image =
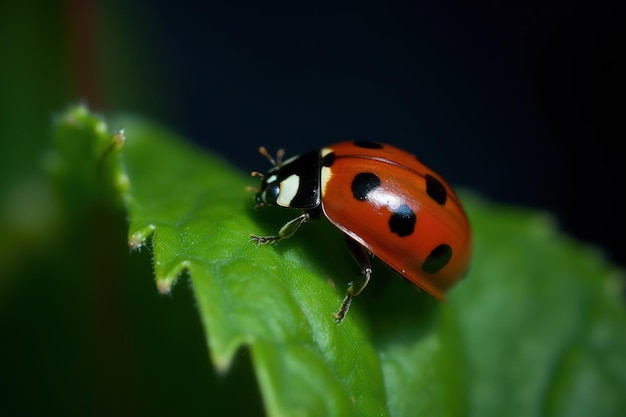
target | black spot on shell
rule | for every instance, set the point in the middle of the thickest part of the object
(402, 221)
(363, 184)
(436, 190)
(328, 160)
(367, 144)
(438, 258)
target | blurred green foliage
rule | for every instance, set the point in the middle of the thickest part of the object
(84, 332)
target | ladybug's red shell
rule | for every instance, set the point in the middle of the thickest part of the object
(400, 210)
(385, 200)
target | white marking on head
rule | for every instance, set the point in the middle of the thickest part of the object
(326, 174)
(326, 171)
(288, 189)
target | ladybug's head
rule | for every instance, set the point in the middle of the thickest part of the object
(269, 191)
(293, 183)
(267, 194)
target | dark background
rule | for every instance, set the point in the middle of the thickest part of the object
(519, 101)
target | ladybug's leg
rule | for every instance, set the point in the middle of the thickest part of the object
(355, 287)
(285, 232)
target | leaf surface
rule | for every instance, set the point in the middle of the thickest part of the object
(538, 326)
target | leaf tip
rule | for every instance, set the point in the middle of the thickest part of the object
(165, 284)
(138, 238)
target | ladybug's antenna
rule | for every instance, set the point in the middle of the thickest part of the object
(255, 174)
(266, 154)
(279, 156)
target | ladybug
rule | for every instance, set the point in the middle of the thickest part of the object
(386, 202)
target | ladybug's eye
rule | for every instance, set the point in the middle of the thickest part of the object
(271, 193)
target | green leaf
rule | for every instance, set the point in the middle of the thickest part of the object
(538, 327)
(543, 320)
(199, 215)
